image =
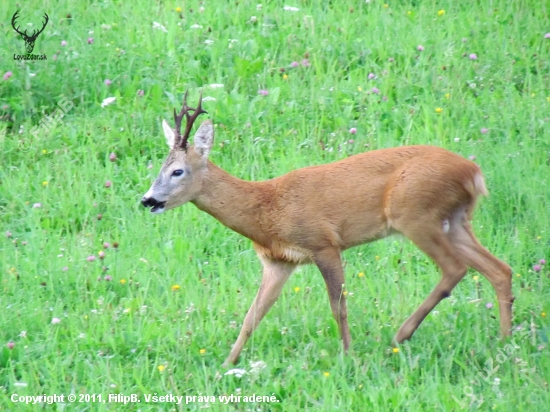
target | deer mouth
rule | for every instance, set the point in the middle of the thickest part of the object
(158, 208)
(155, 205)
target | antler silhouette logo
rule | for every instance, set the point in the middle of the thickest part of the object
(29, 39)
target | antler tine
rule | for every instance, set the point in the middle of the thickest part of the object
(190, 119)
(47, 19)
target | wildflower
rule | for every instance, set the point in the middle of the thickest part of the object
(158, 26)
(37, 206)
(395, 350)
(447, 95)
(543, 314)
(108, 184)
(371, 76)
(489, 305)
(290, 8)
(7, 75)
(202, 351)
(345, 293)
(294, 64)
(263, 92)
(23, 334)
(216, 86)
(196, 26)
(90, 40)
(101, 254)
(518, 275)
(107, 101)
(472, 157)
(326, 374)
(353, 130)
(63, 43)
(108, 278)
(360, 275)
(386, 5)
(441, 12)
(209, 41)
(375, 90)
(359, 89)
(99, 216)
(253, 19)
(90, 258)
(391, 59)
(473, 56)
(108, 82)
(420, 47)
(438, 109)
(178, 9)
(8, 234)
(542, 261)
(306, 63)
(484, 130)
(10, 345)
(175, 287)
(377, 257)
(112, 157)
(537, 268)
(115, 245)
(55, 321)
(140, 93)
(285, 76)
(239, 373)
(44, 183)
(475, 277)
(547, 36)
(106, 245)
(161, 368)
(297, 289)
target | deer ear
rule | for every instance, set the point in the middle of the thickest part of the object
(204, 138)
(169, 134)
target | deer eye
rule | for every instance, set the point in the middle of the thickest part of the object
(177, 172)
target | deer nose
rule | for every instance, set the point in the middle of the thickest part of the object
(149, 201)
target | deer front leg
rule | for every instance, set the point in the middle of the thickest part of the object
(329, 263)
(275, 275)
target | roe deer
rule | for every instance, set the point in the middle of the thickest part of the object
(311, 215)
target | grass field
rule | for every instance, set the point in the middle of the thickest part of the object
(158, 314)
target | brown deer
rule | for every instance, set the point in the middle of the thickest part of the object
(29, 39)
(311, 215)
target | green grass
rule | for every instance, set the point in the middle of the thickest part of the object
(113, 336)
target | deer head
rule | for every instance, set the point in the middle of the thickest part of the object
(179, 180)
(29, 39)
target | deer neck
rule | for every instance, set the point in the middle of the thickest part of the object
(236, 203)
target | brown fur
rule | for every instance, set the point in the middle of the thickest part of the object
(312, 214)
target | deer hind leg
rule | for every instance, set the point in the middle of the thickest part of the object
(275, 274)
(329, 263)
(436, 244)
(498, 273)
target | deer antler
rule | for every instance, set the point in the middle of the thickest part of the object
(15, 16)
(35, 34)
(182, 140)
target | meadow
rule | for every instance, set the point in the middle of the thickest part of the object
(98, 296)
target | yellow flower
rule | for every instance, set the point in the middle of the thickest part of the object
(409, 13)
(345, 293)
(44, 151)
(285, 76)
(438, 109)
(361, 274)
(326, 374)
(447, 95)
(386, 6)
(543, 314)
(395, 350)
(178, 9)
(441, 12)
(518, 275)
(533, 94)
(360, 88)
(202, 351)
(377, 257)
(122, 281)
(476, 278)
(297, 289)
(548, 99)
(175, 287)
(44, 183)
(161, 368)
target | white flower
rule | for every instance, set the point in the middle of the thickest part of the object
(253, 19)
(290, 8)
(258, 6)
(55, 321)
(108, 101)
(159, 26)
(23, 334)
(196, 26)
(208, 41)
(216, 86)
(239, 373)
(257, 367)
